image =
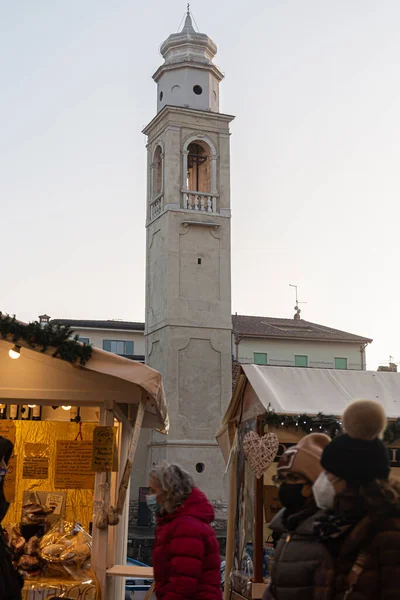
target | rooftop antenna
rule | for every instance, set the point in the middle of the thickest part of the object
(296, 308)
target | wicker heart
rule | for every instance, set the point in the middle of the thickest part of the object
(260, 451)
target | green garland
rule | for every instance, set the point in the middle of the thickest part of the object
(317, 424)
(41, 338)
(321, 423)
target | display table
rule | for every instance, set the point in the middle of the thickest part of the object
(44, 589)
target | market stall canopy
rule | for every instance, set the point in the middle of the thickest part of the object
(291, 390)
(41, 379)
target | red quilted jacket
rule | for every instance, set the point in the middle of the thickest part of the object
(186, 556)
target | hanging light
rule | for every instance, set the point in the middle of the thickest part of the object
(32, 405)
(15, 352)
(66, 407)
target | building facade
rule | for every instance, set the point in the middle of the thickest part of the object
(124, 338)
(296, 343)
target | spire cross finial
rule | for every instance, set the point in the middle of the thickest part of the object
(188, 8)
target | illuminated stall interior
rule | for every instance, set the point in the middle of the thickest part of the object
(64, 404)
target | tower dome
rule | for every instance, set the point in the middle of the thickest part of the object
(188, 77)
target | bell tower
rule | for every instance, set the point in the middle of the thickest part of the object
(188, 271)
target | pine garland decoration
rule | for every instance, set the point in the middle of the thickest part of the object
(321, 423)
(41, 338)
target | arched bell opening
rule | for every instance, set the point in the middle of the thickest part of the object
(157, 172)
(199, 167)
(199, 176)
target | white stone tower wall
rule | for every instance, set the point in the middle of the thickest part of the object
(188, 271)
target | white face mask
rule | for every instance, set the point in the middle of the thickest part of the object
(324, 492)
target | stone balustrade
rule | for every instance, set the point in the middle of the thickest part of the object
(156, 207)
(200, 201)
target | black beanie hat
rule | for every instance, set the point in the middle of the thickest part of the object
(359, 454)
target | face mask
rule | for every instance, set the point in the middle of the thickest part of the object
(324, 492)
(3, 470)
(290, 495)
(151, 501)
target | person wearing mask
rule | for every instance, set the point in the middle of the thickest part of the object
(297, 553)
(186, 555)
(362, 528)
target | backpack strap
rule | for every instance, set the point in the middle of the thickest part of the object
(355, 573)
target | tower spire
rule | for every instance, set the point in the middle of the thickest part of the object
(188, 26)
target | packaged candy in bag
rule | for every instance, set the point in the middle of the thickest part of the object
(77, 554)
(66, 550)
(50, 549)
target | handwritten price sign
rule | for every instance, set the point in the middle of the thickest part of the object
(103, 448)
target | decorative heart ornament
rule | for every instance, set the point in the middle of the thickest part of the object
(260, 451)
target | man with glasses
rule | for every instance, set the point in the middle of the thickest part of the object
(298, 553)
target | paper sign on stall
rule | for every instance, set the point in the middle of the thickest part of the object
(10, 480)
(55, 501)
(36, 461)
(7, 430)
(104, 448)
(73, 466)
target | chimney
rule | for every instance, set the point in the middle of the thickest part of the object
(44, 320)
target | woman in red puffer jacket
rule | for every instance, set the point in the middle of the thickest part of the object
(186, 556)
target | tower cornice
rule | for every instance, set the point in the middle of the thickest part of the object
(178, 112)
(192, 65)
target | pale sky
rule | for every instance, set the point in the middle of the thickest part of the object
(315, 149)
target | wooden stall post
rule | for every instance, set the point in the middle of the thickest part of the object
(100, 537)
(258, 518)
(125, 479)
(230, 534)
(117, 536)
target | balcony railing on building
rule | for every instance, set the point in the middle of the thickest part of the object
(200, 201)
(156, 206)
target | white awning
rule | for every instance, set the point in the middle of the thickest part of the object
(294, 390)
(105, 378)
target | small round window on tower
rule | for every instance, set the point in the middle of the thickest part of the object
(161, 95)
(200, 467)
(198, 90)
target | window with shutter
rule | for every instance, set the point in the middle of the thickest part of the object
(300, 360)
(260, 358)
(341, 363)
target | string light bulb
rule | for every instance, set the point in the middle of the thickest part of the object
(66, 407)
(32, 405)
(15, 352)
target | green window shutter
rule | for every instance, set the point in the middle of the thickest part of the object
(107, 345)
(129, 348)
(300, 361)
(341, 363)
(260, 358)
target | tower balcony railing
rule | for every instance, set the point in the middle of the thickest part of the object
(156, 206)
(200, 201)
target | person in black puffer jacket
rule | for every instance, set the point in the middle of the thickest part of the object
(298, 553)
(11, 582)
